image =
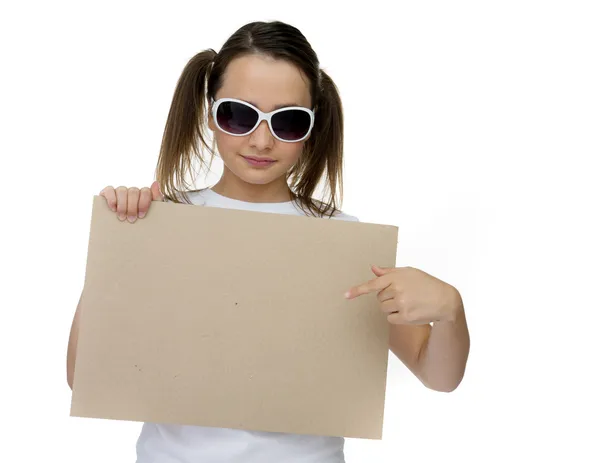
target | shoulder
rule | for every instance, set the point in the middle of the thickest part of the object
(326, 211)
(343, 216)
(195, 197)
(198, 197)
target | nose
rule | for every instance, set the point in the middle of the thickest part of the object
(262, 138)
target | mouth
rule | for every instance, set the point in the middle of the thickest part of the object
(258, 161)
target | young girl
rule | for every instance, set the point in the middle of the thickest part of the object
(276, 118)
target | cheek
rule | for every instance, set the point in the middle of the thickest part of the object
(290, 152)
(227, 145)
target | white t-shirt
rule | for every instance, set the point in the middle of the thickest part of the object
(167, 443)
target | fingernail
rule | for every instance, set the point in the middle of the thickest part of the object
(347, 294)
(121, 217)
(141, 215)
(131, 218)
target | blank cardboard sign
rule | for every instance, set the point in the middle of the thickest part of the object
(233, 319)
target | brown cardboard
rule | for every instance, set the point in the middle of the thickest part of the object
(225, 318)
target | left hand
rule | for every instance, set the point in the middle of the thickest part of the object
(410, 296)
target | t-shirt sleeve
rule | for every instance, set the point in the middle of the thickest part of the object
(346, 217)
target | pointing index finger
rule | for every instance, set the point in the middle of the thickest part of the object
(376, 284)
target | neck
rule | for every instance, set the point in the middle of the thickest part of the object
(233, 187)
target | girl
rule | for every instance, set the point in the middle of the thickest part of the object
(276, 118)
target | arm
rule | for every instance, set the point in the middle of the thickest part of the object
(127, 202)
(72, 349)
(436, 354)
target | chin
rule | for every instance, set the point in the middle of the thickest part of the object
(257, 178)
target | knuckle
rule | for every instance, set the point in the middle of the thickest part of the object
(399, 318)
(394, 318)
(409, 315)
(399, 309)
(145, 194)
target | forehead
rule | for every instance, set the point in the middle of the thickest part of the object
(265, 82)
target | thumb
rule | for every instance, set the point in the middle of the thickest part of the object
(379, 271)
(156, 193)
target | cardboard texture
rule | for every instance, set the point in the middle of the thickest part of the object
(226, 318)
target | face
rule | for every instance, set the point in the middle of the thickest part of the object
(268, 84)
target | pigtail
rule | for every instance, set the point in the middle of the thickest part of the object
(331, 143)
(184, 136)
(323, 153)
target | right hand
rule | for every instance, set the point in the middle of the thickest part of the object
(131, 203)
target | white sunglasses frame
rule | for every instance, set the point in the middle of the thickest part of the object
(262, 116)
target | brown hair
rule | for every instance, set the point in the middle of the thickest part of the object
(185, 138)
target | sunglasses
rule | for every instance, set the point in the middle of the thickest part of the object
(238, 118)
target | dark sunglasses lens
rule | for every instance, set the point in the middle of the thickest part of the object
(236, 118)
(291, 124)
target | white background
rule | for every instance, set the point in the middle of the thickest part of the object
(474, 126)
